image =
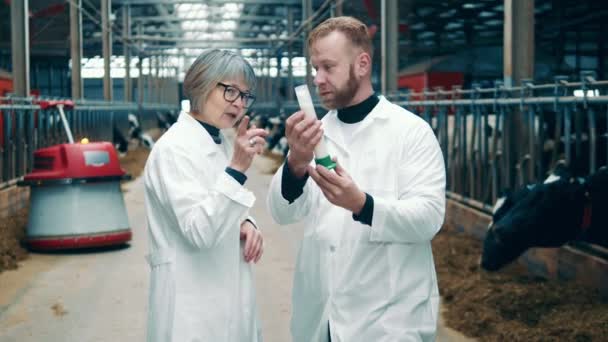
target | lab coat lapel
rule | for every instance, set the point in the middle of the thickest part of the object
(333, 133)
(206, 143)
(379, 112)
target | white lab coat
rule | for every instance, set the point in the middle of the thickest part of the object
(373, 283)
(201, 288)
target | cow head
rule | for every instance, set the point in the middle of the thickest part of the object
(546, 215)
(597, 187)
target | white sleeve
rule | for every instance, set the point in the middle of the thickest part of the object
(253, 222)
(280, 209)
(204, 215)
(418, 213)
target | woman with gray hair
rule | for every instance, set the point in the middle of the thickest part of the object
(202, 241)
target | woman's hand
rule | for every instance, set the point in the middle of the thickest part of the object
(248, 143)
(254, 243)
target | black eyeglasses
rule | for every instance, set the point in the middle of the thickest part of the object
(232, 93)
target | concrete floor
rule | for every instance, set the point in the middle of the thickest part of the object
(102, 296)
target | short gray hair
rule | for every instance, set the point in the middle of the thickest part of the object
(211, 67)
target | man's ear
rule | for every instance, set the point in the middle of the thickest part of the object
(364, 64)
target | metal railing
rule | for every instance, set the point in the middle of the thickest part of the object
(504, 137)
(26, 127)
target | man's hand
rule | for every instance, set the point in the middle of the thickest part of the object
(254, 243)
(338, 187)
(303, 133)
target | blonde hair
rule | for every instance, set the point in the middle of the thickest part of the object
(211, 67)
(352, 28)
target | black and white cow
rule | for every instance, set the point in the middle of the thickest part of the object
(120, 142)
(546, 215)
(165, 119)
(136, 132)
(596, 215)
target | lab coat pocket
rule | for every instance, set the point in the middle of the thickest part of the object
(161, 296)
(412, 319)
(376, 175)
(376, 169)
(200, 317)
(160, 257)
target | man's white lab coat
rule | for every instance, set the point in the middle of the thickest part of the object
(201, 288)
(373, 283)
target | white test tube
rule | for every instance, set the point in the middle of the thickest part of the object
(305, 102)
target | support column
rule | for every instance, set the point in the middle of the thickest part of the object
(126, 43)
(518, 65)
(601, 48)
(176, 88)
(336, 8)
(518, 41)
(76, 48)
(306, 13)
(140, 77)
(106, 37)
(269, 81)
(277, 84)
(289, 90)
(165, 77)
(266, 96)
(149, 91)
(260, 64)
(389, 45)
(20, 48)
(161, 79)
(157, 65)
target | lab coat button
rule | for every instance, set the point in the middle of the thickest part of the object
(332, 248)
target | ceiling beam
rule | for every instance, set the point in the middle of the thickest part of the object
(217, 18)
(203, 45)
(208, 30)
(198, 40)
(212, 2)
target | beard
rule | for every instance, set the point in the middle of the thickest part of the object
(342, 97)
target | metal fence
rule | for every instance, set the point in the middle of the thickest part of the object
(25, 127)
(501, 138)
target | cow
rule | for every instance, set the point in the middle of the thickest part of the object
(547, 214)
(165, 119)
(595, 221)
(276, 140)
(120, 142)
(135, 132)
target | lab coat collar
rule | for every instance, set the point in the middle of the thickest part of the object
(332, 123)
(207, 145)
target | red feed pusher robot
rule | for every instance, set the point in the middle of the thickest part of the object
(75, 196)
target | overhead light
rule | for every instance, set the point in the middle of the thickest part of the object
(418, 26)
(453, 25)
(448, 14)
(590, 93)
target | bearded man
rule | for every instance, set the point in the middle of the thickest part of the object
(365, 269)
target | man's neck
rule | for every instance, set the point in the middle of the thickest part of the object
(358, 112)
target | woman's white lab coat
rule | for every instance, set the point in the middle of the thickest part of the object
(373, 283)
(201, 288)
